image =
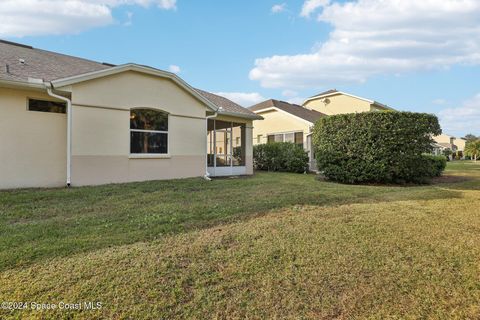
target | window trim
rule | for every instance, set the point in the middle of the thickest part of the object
(288, 132)
(150, 155)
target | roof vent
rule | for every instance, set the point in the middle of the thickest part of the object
(22, 61)
(7, 68)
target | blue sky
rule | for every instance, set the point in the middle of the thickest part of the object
(412, 55)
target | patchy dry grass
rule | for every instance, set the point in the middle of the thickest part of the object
(287, 247)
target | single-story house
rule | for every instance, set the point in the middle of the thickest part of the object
(70, 121)
(286, 122)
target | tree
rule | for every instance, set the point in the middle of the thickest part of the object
(472, 149)
(471, 137)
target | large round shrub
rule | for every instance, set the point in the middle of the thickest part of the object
(280, 156)
(381, 147)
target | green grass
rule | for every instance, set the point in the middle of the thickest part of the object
(274, 245)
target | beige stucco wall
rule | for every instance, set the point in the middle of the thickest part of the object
(339, 104)
(443, 138)
(32, 144)
(278, 122)
(136, 90)
(460, 143)
(101, 130)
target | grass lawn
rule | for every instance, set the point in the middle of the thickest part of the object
(271, 246)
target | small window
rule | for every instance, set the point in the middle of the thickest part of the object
(47, 106)
(259, 138)
(293, 137)
(148, 131)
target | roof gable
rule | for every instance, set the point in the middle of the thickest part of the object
(334, 92)
(295, 110)
(59, 83)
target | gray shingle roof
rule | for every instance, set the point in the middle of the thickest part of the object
(26, 62)
(325, 92)
(296, 110)
(227, 105)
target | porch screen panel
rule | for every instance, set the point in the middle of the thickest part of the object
(238, 139)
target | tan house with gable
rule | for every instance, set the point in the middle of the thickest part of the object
(286, 122)
(70, 121)
(446, 142)
(336, 102)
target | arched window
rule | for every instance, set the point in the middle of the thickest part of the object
(148, 131)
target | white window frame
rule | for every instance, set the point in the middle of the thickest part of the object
(285, 133)
(151, 155)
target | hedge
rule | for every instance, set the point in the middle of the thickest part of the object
(378, 147)
(436, 165)
(280, 156)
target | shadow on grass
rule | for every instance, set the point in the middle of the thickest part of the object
(43, 224)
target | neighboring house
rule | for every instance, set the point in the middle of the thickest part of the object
(446, 141)
(285, 122)
(336, 102)
(449, 142)
(67, 120)
(440, 148)
(460, 144)
(289, 122)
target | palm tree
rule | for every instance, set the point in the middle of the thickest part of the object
(472, 149)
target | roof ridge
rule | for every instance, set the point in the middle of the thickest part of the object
(75, 57)
(21, 45)
(16, 44)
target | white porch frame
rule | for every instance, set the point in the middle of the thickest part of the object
(225, 171)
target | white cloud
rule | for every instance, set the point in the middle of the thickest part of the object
(279, 8)
(462, 120)
(52, 17)
(372, 37)
(174, 68)
(310, 6)
(243, 98)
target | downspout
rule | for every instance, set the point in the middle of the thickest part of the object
(207, 175)
(69, 131)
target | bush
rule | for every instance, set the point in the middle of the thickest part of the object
(280, 156)
(430, 166)
(379, 147)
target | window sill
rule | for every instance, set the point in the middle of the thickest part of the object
(149, 156)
